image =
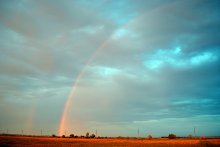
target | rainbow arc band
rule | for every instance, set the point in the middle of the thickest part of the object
(71, 94)
(63, 119)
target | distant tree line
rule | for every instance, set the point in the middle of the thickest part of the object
(87, 135)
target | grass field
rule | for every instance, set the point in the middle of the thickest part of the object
(23, 141)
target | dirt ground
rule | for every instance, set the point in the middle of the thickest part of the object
(24, 141)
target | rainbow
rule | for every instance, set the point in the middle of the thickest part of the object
(63, 119)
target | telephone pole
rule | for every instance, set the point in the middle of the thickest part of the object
(195, 131)
(138, 132)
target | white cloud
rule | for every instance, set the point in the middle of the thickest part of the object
(105, 71)
(124, 32)
(153, 64)
(177, 59)
(205, 57)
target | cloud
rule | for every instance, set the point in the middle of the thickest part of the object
(158, 63)
(177, 59)
(205, 57)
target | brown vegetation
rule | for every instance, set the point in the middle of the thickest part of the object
(51, 141)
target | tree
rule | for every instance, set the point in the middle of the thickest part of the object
(92, 136)
(63, 136)
(87, 135)
(53, 135)
(172, 136)
(71, 135)
(149, 137)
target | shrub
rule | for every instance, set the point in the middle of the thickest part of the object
(190, 136)
(149, 137)
(119, 137)
(63, 136)
(172, 136)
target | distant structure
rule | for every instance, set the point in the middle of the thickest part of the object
(195, 131)
(138, 132)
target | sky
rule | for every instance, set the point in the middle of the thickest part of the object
(114, 66)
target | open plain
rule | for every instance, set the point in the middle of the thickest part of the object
(24, 141)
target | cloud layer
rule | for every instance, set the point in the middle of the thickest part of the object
(160, 65)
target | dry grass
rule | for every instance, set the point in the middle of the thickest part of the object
(23, 141)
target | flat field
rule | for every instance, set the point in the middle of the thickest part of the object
(24, 141)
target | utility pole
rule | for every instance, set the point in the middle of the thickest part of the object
(41, 132)
(96, 133)
(138, 132)
(195, 131)
(21, 132)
